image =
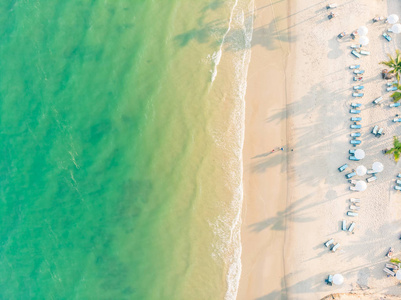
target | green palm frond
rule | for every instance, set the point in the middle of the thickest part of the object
(396, 96)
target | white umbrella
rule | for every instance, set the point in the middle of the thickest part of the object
(363, 40)
(392, 19)
(361, 170)
(338, 279)
(363, 30)
(360, 186)
(396, 28)
(359, 154)
(398, 274)
(377, 166)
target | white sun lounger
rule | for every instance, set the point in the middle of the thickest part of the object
(356, 54)
(352, 214)
(388, 271)
(355, 200)
(378, 100)
(374, 130)
(371, 171)
(363, 52)
(351, 227)
(370, 179)
(397, 187)
(335, 247)
(329, 242)
(354, 207)
(395, 104)
(344, 225)
(398, 181)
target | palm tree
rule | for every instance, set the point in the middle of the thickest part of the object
(394, 63)
(396, 149)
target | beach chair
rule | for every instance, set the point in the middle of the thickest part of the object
(358, 87)
(352, 181)
(354, 111)
(370, 171)
(389, 272)
(354, 66)
(374, 130)
(352, 214)
(344, 225)
(399, 175)
(370, 179)
(355, 134)
(354, 200)
(343, 167)
(355, 47)
(359, 71)
(352, 151)
(357, 94)
(335, 247)
(392, 83)
(391, 88)
(355, 142)
(398, 181)
(329, 280)
(356, 54)
(354, 207)
(351, 227)
(363, 52)
(397, 120)
(350, 175)
(356, 119)
(380, 132)
(355, 126)
(395, 104)
(397, 187)
(356, 105)
(332, 5)
(377, 100)
(353, 158)
(357, 78)
(387, 37)
(392, 267)
(329, 242)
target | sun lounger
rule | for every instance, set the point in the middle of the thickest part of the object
(354, 66)
(356, 119)
(355, 200)
(354, 207)
(343, 167)
(392, 83)
(395, 104)
(372, 178)
(356, 105)
(352, 214)
(399, 175)
(389, 272)
(397, 187)
(352, 181)
(344, 225)
(352, 151)
(397, 120)
(356, 54)
(357, 78)
(387, 37)
(359, 71)
(358, 87)
(355, 126)
(355, 47)
(329, 280)
(353, 158)
(354, 111)
(392, 267)
(355, 142)
(363, 52)
(377, 100)
(335, 247)
(332, 5)
(351, 227)
(398, 181)
(350, 175)
(355, 134)
(380, 132)
(357, 94)
(329, 242)
(374, 130)
(391, 89)
(370, 171)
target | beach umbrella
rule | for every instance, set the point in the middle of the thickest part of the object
(359, 154)
(363, 30)
(377, 166)
(361, 170)
(398, 274)
(360, 186)
(392, 19)
(338, 279)
(396, 28)
(363, 40)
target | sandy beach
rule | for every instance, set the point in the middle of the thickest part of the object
(298, 97)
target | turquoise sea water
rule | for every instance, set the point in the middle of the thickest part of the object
(121, 133)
